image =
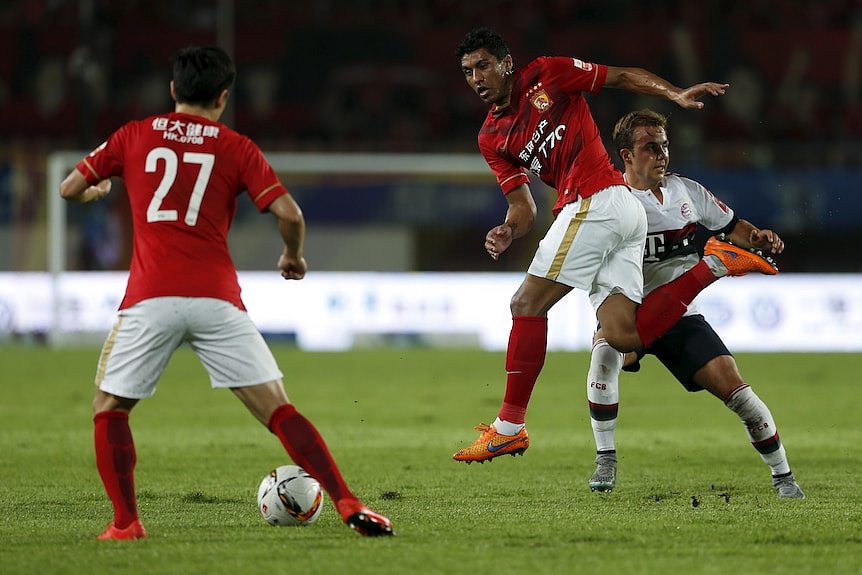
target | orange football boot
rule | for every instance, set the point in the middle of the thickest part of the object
(739, 261)
(135, 530)
(492, 444)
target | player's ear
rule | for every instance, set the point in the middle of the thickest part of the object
(221, 100)
(508, 64)
(173, 92)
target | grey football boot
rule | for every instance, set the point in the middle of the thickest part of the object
(605, 476)
(787, 488)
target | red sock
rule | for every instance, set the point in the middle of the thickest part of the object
(665, 305)
(308, 450)
(115, 460)
(525, 357)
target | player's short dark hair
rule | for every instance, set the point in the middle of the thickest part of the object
(479, 38)
(200, 73)
(624, 130)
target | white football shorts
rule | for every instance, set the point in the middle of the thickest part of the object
(596, 244)
(146, 335)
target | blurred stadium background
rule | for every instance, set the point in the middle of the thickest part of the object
(783, 147)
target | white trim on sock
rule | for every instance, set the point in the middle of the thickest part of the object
(504, 427)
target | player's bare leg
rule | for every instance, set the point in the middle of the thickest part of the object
(262, 400)
(617, 318)
(268, 402)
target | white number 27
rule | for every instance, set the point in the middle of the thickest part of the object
(205, 161)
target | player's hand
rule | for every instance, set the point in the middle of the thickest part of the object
(97, 192)
(766, 240)
(689, 98)
(292, 268)
(498, 240)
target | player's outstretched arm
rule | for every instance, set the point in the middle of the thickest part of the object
(747, 235)
(642, 81)
(291, 226)
(519, 220)
(76, 189)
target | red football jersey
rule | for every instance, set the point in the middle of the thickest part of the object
(548, 129)
(183, 174)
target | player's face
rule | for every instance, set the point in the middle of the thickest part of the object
(651, 155)
(487, 76)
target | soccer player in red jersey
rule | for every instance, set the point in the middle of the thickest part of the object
(183, 172)
(691, 350)
(539, 121)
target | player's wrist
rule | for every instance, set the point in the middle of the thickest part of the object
(90, 194)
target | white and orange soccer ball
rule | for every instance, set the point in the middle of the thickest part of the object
(289, 496)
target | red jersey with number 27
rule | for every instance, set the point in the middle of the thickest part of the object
(183, 174)
(548, 129)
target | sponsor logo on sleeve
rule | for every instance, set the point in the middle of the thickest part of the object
(585, 66)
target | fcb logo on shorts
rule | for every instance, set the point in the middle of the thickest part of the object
(541, 101)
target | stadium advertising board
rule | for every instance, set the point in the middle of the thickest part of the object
(337, 311)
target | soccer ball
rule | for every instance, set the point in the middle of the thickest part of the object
(289, 496)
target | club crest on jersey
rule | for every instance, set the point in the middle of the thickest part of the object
(541, 101)
(685, 211)
(539, 97)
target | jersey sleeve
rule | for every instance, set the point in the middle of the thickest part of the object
(574, 75)
(258, 177)
(508, 175)
(106, 160)
(714, 214)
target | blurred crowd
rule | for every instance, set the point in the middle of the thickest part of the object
(380, 75)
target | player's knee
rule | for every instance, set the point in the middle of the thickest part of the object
(720, 377)
(520, 304)
(598, 336)
(620, 338)
(617, 318)
(108, 402)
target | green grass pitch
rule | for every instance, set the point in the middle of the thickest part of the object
(392, 419)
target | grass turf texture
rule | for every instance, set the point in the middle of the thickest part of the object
(692, 495)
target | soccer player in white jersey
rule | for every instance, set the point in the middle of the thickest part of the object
(691, 350)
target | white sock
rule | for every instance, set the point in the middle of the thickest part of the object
(760, 427)
(603, 393)
(504, 427)
(715, 265)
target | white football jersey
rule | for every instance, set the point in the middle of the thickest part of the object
(670, 251)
